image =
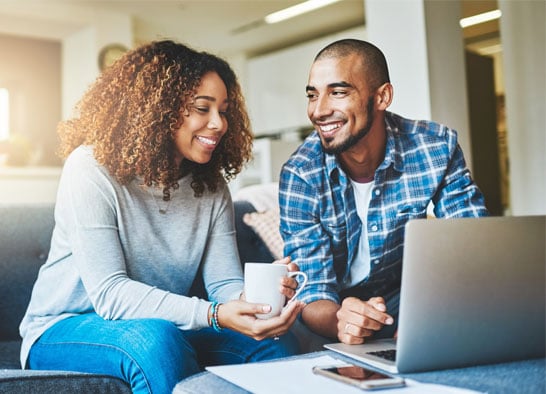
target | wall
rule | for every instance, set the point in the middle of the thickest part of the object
(81, 50)
(522, 37)
(79, 65)
(33, 77)
(403, 41)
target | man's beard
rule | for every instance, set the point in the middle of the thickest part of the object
(352, 140)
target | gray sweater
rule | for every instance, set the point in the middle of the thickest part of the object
(114, 253)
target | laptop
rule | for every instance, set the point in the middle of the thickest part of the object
(472, 292)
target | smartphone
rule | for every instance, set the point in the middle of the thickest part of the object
(363, 378)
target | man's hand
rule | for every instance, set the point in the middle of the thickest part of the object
(288, 284)
(358, 319)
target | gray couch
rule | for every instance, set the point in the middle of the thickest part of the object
(25, 232)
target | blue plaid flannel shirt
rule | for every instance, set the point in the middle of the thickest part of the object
(319, 223)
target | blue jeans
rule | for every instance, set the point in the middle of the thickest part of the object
(151, 355)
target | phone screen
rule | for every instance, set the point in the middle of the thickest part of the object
(361, 377)
(357, 373)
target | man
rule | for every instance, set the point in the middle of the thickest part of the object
(348, 191)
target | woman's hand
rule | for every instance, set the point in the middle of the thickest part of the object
(241, 316)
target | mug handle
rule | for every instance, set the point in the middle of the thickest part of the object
(300, 285)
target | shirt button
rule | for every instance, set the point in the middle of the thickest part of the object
(374, 228)
(377, 192)
(376, 262)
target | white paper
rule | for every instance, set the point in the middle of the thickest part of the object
(296, 376)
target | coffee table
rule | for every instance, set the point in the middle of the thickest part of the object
(519, 377)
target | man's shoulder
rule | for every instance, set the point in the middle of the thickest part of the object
(412, 143)
(418, 136)
(417, 128)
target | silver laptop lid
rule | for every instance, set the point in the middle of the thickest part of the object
(473, 292)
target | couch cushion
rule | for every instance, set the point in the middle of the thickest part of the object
(25, 236)
(262, 196)
(266, 225)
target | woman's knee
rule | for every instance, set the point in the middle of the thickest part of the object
(158, 354)
(159, 342)
(156, 336)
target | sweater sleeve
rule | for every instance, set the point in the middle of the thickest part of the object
(222, 271)
(86, 202)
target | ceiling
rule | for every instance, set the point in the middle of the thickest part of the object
(221, 26)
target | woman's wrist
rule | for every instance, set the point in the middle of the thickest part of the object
(213, 316)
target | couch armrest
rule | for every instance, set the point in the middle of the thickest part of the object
(40, 382)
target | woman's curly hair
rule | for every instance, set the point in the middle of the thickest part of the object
(132, 111)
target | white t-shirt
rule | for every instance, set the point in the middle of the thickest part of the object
(360, 266)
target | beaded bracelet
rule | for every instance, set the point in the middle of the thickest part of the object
(214, 316)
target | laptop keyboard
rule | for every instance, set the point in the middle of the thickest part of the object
(386, 354)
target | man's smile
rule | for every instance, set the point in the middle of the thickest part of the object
(329, 130)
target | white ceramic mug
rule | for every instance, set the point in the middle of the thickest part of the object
(262, 285)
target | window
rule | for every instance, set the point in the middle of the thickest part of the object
(4, 114)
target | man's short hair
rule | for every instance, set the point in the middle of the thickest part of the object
(375, 65)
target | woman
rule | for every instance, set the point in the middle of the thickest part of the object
(142, 211)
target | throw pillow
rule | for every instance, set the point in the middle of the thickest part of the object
(266, 225)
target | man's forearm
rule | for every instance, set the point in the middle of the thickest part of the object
(320, 317)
